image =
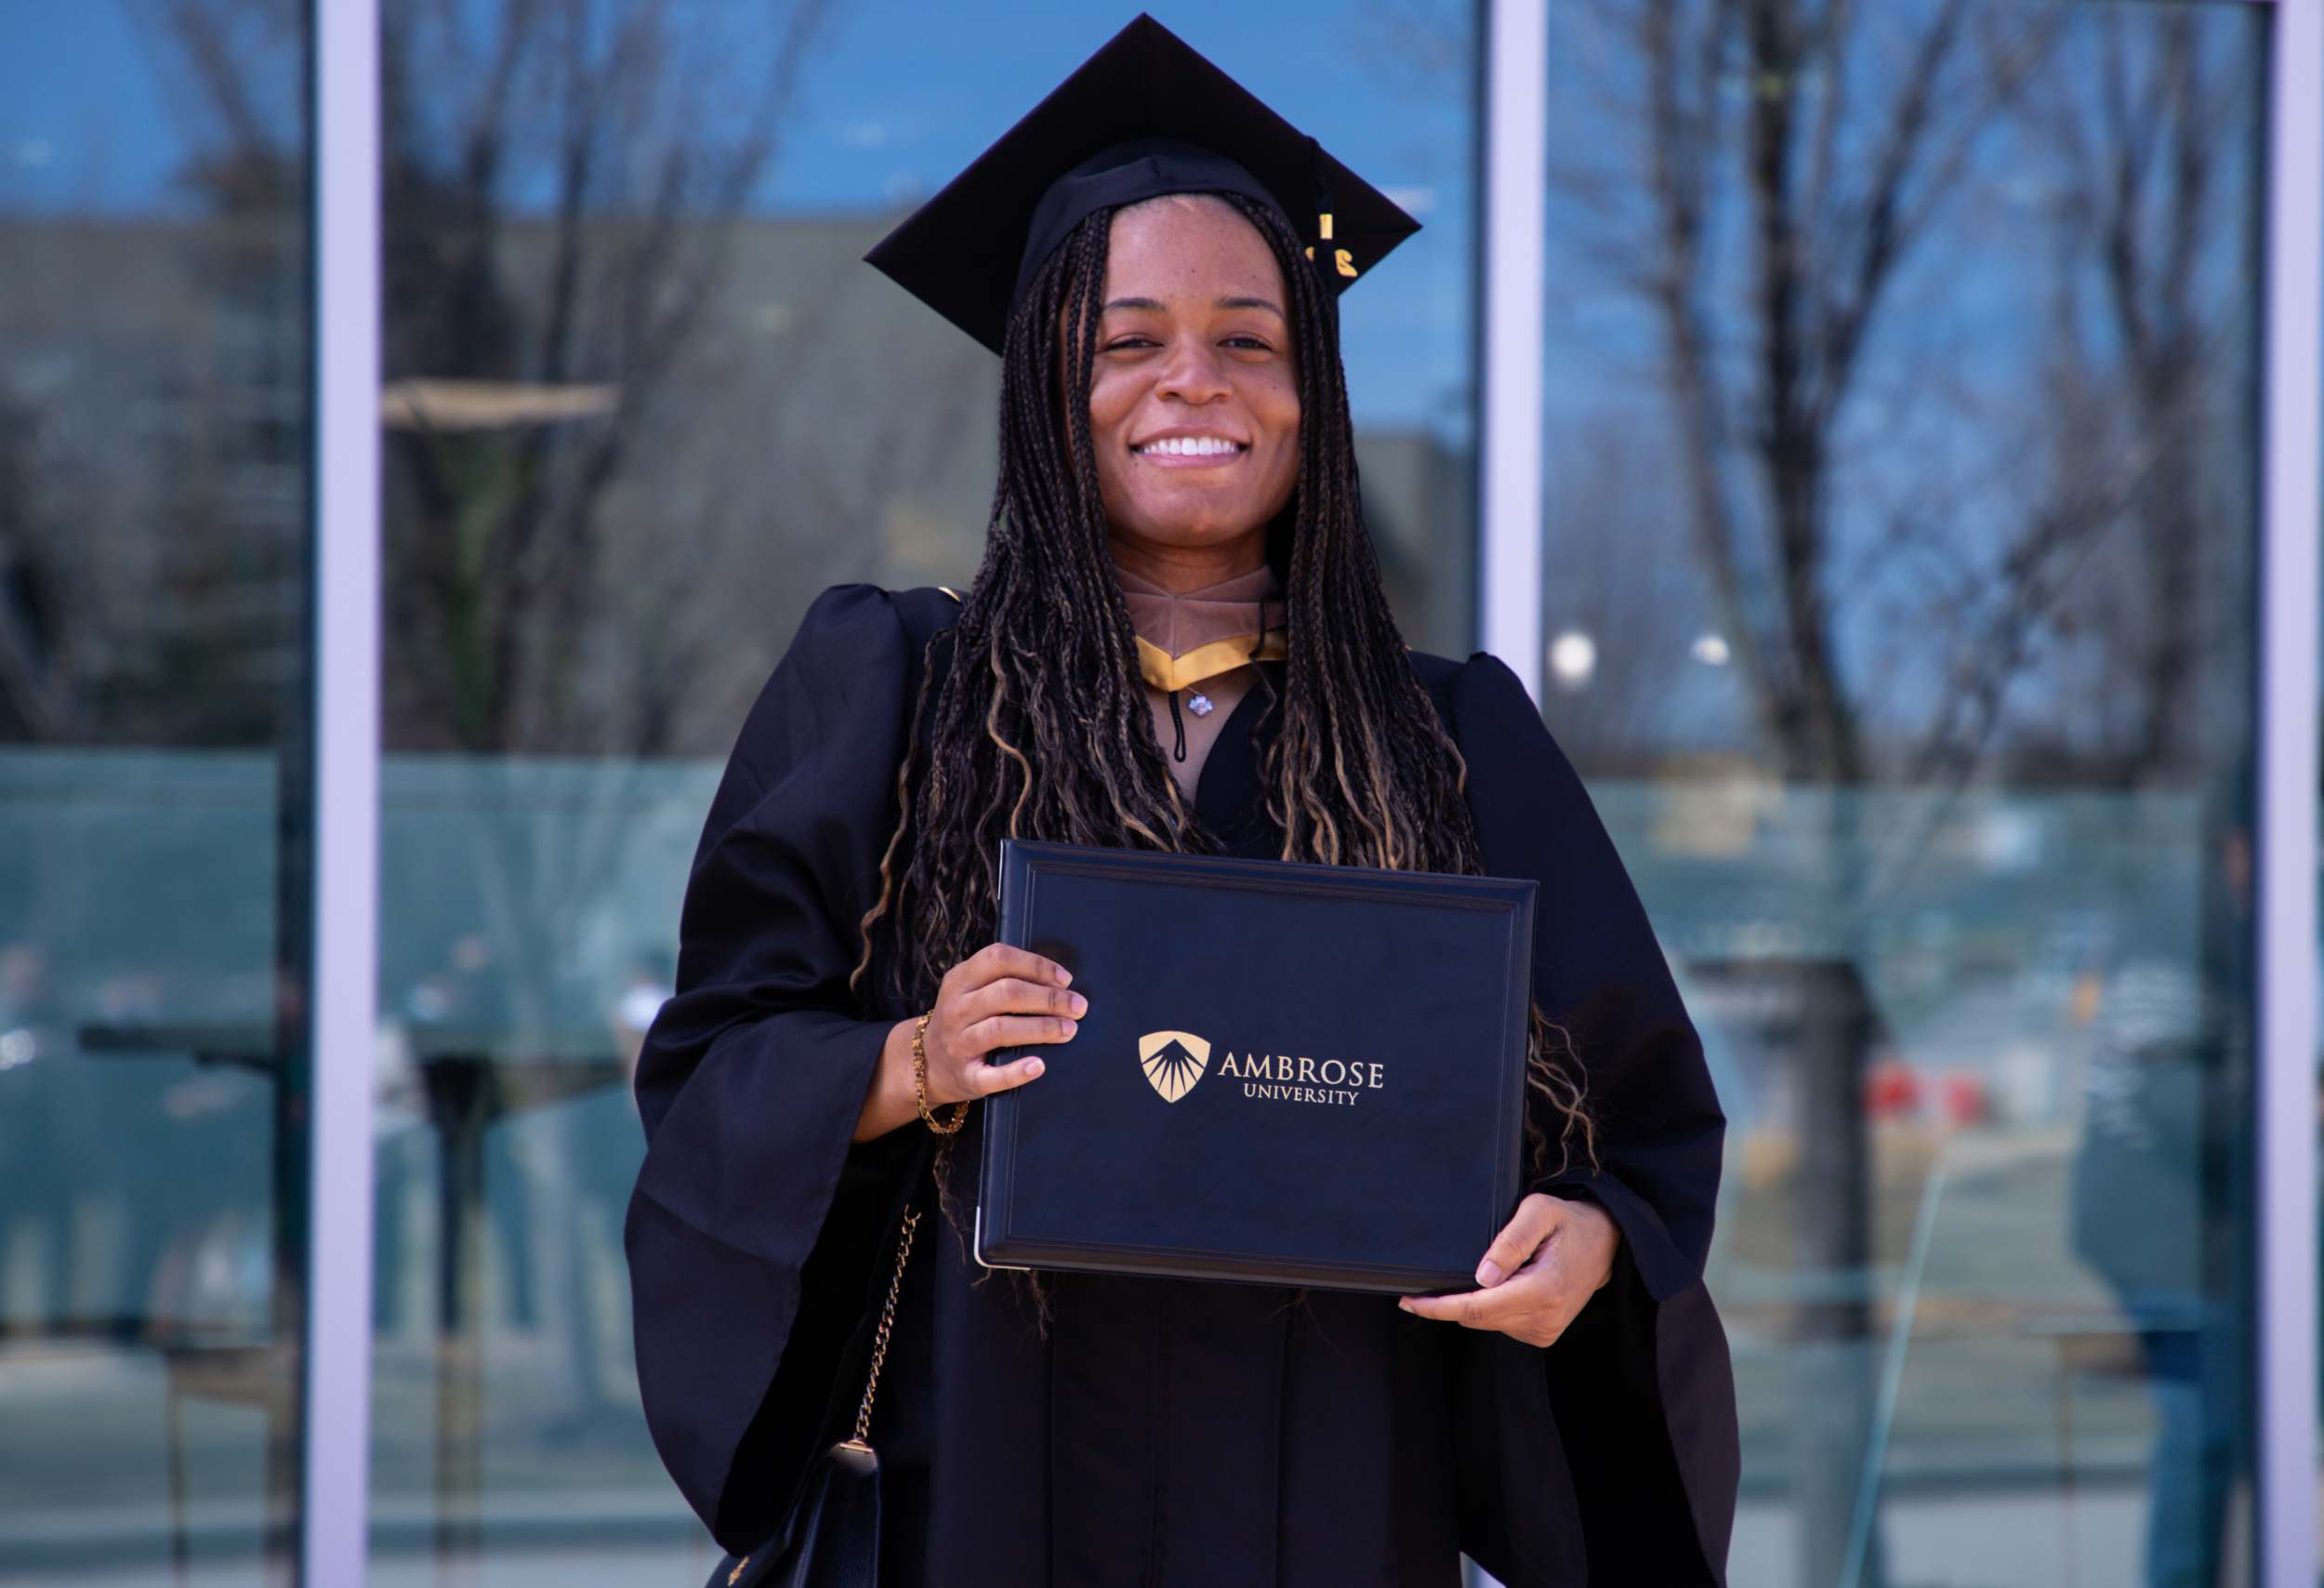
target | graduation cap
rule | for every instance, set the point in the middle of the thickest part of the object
(1143, 116)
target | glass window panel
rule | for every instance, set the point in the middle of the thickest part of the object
(643, 403)
(155, 305)
(1898, 606)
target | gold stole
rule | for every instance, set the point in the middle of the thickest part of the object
(1167, 672)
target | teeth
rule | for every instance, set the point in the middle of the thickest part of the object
(1190, 447)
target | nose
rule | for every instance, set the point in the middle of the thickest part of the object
(1192, 373)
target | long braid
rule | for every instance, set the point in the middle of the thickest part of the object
(1040, 726)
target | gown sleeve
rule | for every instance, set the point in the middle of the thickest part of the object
(1640, 1387)
(755, 1226)
(1600, 973)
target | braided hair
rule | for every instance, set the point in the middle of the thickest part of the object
(1040, 727)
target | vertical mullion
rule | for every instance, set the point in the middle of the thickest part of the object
(2291, 424)
(1516, 175)
(341, 1014)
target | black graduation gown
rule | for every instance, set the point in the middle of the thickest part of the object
(1164, 1432)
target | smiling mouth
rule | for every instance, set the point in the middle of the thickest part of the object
(1192, 449)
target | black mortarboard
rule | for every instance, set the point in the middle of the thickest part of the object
(1143, 116)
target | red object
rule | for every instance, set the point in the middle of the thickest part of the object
(1966, 1101)
(1891, 1090)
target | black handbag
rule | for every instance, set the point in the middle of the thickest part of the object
(833, 1540)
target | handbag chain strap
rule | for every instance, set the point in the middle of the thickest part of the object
(886, 1322)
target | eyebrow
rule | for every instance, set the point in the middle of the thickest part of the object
(1156, 304)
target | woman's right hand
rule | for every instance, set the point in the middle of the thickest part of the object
(998, 997)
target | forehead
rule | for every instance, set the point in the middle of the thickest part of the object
(1183, 244)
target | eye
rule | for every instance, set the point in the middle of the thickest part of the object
(1130, 342)
(1248, 340)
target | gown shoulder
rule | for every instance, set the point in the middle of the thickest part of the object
(854, 644)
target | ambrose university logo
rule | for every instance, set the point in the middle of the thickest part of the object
(1174, 1061)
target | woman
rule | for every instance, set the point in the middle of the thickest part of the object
(1177, 639)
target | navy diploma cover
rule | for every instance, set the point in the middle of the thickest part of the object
(1289, 1073)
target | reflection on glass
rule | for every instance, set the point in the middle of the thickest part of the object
(643, 402)
(153, 344)
(1898, 596)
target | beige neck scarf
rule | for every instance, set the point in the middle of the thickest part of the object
(1195, 651)
(1188, 636)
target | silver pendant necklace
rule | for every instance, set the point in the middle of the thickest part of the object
(1199, 704)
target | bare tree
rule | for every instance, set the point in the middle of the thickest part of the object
(2143, 169)
(1765, 183)
(149, 504)
(563, 181)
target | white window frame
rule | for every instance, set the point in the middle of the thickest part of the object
(1514, 226)
(2292, 428)
(333, 1530)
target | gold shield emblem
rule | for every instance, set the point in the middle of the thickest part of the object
(1173, 1062)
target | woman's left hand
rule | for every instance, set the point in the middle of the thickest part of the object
(1548, 1259)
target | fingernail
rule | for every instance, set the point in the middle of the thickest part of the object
(1489, 1274)
(1034, 1067)
(1064, 977)
(1081, 1005)
(1071, 1027)
(1403, 1303)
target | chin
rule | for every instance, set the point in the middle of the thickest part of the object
(1202, 527)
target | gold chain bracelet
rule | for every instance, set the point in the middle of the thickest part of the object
(920, 1082)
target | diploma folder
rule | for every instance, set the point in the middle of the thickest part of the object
(1289, 1074)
